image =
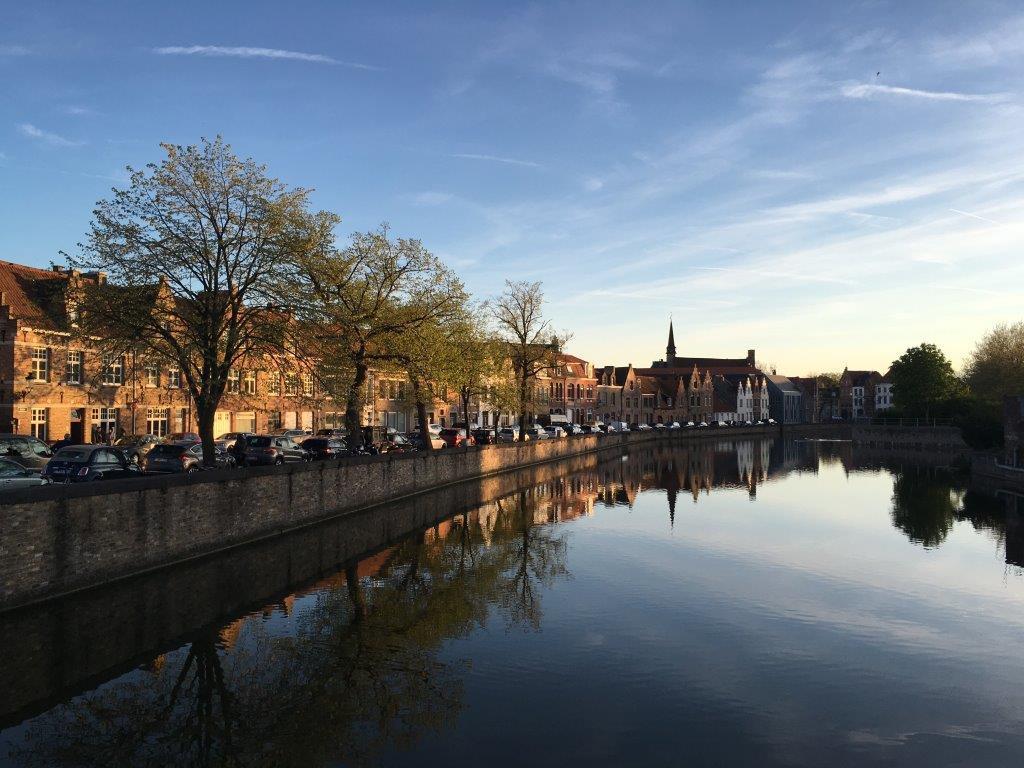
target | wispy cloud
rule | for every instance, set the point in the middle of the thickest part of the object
(786, 275)
(249, 52)
(14, 50)
(872, 90)
(497, 159)
(973, 215)
(431, 198)
(779, 175)
(53, 139)
(993, 46)
(79, 111)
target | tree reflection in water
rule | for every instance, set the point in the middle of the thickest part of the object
(357, 669)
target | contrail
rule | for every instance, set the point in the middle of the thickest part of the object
(973, 216)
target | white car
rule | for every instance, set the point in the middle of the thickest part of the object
(690, 425)
(508, 434)
(674, 425)
(555, 431)
(643, 427)
(659, 425)
(702, 424)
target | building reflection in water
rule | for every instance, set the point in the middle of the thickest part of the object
(350, 665)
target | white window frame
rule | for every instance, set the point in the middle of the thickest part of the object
(234, 385)
(249, 383)
(174, 378)
(113, 371)
(40, 423)
(73, 367)
(151, 375)
(39, 362)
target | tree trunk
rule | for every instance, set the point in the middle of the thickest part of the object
(523, 388)
(466, 395)
(421, 414)
(206, 413)
(353, 423)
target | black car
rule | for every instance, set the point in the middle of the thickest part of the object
(172, 458)
(485, 436)
(274, 449)
(83, 463)
(321, 448)
(395, 443)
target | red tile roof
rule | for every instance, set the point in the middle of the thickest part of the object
(34, 295)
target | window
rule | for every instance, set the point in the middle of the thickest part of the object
(291, 384)
(40, 362)
(307, 384)
(173, 378)
(249, 383)
(157, 421)
(73, 368)
(39, 423)
(273, 420)
(113, 370)
(273, 383)
(234, 381)
(104, 423)
(151, 375)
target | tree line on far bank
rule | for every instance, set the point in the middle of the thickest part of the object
(212, 265)
(925, 385)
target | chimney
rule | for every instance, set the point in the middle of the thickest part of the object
(750, 357)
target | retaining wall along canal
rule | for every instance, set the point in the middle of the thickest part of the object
(61, 539)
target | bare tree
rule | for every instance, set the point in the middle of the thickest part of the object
(529, 340)
(193, 249)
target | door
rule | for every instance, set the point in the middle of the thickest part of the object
(221, 423)
(77, 432)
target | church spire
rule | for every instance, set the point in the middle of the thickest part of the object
(670, 350)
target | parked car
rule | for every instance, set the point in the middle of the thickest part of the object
(644, 427)
(227, 440)
(456, 438)
(537, 433)
(296, 435)
(14, 476)
(555, 431)
(436, 443)
(675, 425)
(85, 463)
(485, 435)
(335, 432)
(574, 429)
(274, 449)
(393, 443)
(173, 458)
(432, 428)
(28, 451)
(508, 434)
(690, 425)
(659, 425)
(136, 447)
(321, 448)
(184, 437)
(702, 424)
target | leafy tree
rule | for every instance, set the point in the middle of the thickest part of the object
(355, 305)
(529, 341)
(193, 248)
(996, 367)
(922, 379)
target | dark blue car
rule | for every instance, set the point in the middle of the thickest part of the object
(84, 463)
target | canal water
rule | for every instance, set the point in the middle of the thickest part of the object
(729, 603)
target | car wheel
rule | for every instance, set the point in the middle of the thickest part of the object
(278, 461)
(192, 469)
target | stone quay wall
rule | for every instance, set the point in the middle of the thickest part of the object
(61, 539)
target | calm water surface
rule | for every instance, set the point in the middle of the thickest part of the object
(734, 603)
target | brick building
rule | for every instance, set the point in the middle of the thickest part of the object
(53, 382)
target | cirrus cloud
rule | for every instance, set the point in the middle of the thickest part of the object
(251, 52)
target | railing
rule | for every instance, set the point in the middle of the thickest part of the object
(923, 421)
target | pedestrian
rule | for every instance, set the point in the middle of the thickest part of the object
(238, 449)
(66, 440)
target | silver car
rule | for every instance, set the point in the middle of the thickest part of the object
(13, 475)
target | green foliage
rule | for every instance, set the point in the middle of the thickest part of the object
(922, 378)
(996, 367)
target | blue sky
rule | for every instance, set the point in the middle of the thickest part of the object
(828, 183)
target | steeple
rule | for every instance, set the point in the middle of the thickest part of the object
(670, 350)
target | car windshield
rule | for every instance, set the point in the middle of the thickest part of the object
(72, 454)
(132, 440)
(260, 442)
(317, 442)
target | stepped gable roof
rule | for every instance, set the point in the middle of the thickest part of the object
(35, 295)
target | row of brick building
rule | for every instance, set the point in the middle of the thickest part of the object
(51, 384)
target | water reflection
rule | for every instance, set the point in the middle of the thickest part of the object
(359, 665)
(337, 672)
